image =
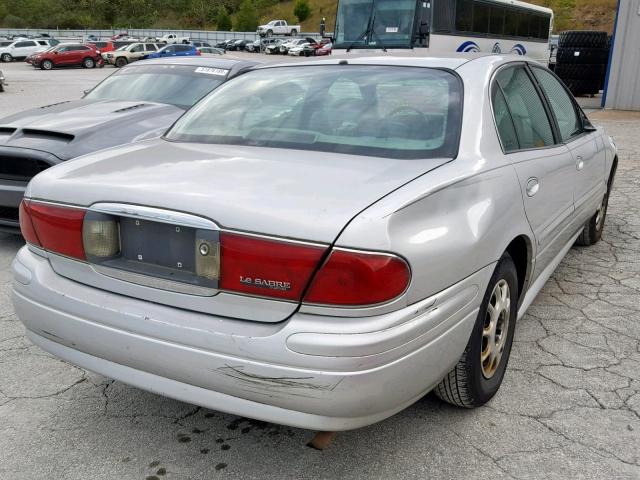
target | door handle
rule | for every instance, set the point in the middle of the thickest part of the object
(532, 186)
(579, 163)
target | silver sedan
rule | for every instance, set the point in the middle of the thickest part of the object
(319, 244)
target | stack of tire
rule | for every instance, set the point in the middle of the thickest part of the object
(581, 61)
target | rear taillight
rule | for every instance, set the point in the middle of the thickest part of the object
(266, 267)
(26, 224)
(354, 278)
(52, 227)
(198, 52)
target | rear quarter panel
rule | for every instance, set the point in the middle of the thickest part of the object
(459, 218)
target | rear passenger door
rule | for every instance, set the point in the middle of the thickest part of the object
(544, 166)
(588, 153)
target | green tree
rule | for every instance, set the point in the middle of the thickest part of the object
(302, 10)
(223, 20)
(247, 17)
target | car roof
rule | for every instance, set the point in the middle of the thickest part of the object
(450, 61)
(214, 62)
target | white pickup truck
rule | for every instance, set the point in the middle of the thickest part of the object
(278, 27)
(171, 38)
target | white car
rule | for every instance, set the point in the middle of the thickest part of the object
(172, 38)
(21, 49)
(298, 50)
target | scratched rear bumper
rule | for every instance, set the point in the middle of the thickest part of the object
(246, 368)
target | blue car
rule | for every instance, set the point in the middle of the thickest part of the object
(177, 50)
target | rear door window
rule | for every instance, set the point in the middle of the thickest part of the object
(563, 107)
(529, 116)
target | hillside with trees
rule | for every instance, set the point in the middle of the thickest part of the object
(240, 15)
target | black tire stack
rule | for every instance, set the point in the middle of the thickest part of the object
(581, 61)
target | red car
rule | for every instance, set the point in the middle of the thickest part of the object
(325, 48)
(69, 55)
(106, 46)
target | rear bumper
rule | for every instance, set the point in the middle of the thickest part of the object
(311, 371)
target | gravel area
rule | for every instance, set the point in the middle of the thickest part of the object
(569, 407)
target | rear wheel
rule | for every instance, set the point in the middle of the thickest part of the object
(121, 62)
(46, 65)
(478, 374)
(294, 32)
(269, 33)
(88, 62)
(6, 57)
(592, 232)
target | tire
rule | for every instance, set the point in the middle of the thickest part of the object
(120, 62)
(583, 87)
(6, 57)
(46, 65)
(88, 63)
(592, 232)
(583, 38)
(474, 381)
(269, 33)
(294, 32)
(583, 55)
(581, 71)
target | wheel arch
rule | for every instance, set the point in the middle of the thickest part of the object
(520, 249)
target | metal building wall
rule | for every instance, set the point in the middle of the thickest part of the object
(622, 89)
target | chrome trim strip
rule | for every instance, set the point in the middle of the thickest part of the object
(154, 282)
(155, 215)
(274, 238)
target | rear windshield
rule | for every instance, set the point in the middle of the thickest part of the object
(395, 112)
(180, 85)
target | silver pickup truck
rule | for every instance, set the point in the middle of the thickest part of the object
(278, 27)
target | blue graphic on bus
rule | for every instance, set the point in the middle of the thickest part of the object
(497, 48)
(519, 49)
(468, 46)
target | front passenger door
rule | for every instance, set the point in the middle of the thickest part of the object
(544, 166)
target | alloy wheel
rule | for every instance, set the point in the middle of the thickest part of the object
(495, 328)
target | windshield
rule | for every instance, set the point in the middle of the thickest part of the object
(375, 23)
(394, 112)
(179, 85)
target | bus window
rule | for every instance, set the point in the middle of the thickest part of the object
(496, 20)
(523, 24)
(481, 13)
(464, 15)
(510, 23)
(443, 16)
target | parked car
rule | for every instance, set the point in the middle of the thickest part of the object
(324, 49)
(199, 44)
(30, 58)
(376, 245)
(137, 102)
(3, 81)
(175, 51)
(273, 48)
(21, 49)
(120, 36)
(305, 49)
(278, 27)
(210, 51)
(68, 55)
(107, 46)
(130, 53)
(172, 38)
(238, 45)
(284, 47)
(225, 43)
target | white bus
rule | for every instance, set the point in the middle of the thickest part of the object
(436, 26)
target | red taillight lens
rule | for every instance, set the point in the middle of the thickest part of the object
(26, 224)
(56, 229)
(198, 52)
(265, 267)
(350, 278)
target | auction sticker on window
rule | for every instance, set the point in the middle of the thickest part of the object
(212, 71)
